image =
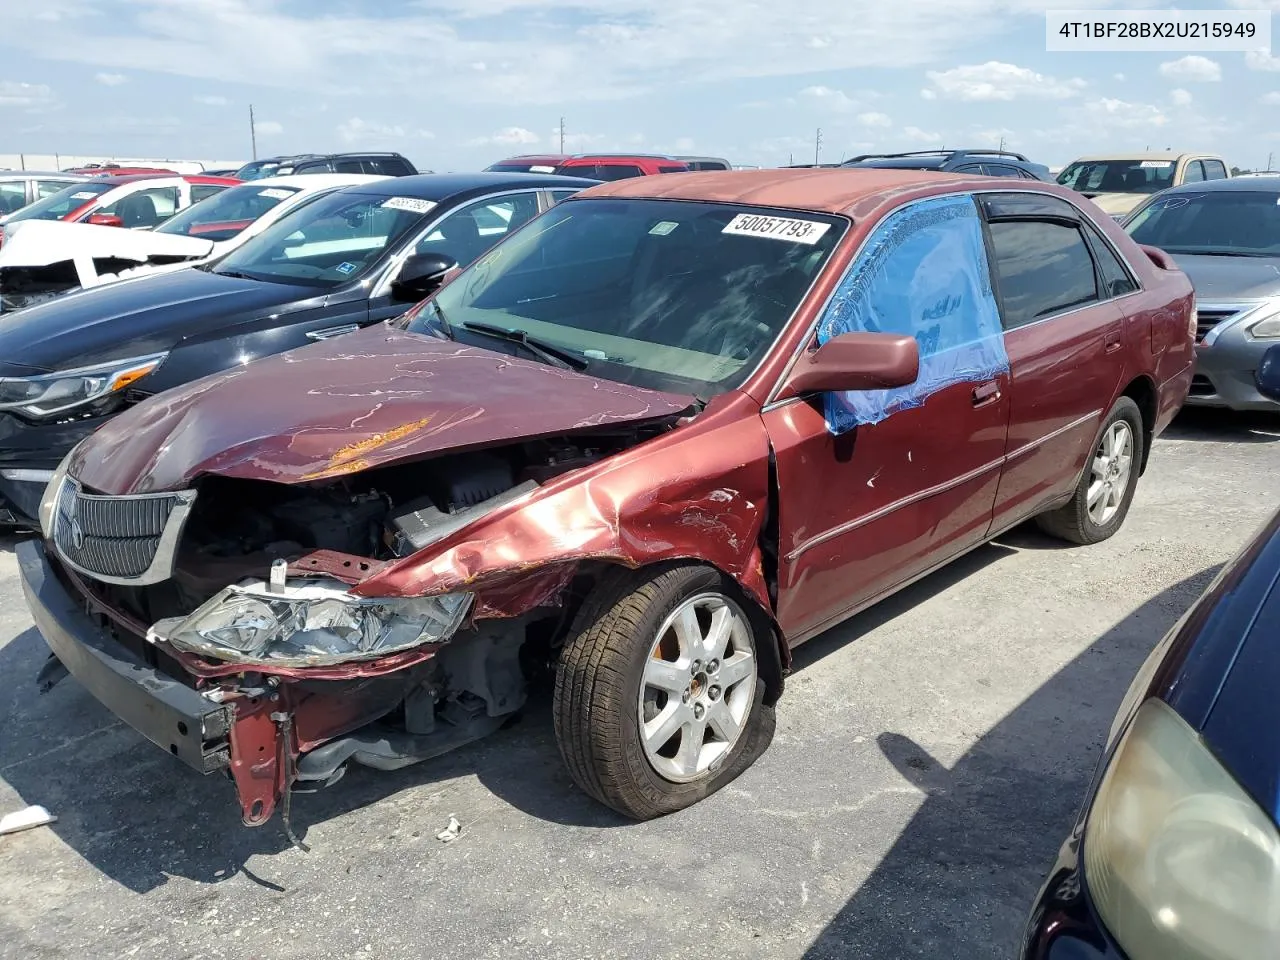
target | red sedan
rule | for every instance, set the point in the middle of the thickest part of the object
(653, 440)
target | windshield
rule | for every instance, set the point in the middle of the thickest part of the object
(1118, 176)
(58, 205)
(664, 294)
(333, 240)
(259, 169)
(1221, 222)
(225, 214)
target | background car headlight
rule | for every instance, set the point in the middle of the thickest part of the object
(1268, 329)
(1180, 861)
(310, 623)
(53, 393)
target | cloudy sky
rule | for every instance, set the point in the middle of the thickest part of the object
(456, 84)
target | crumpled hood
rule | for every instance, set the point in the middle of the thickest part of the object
(341, 406)
(136, 317)
(40, 243)
(1117, 204)
(1227, 279)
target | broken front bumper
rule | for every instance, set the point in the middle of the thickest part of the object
(170, 714)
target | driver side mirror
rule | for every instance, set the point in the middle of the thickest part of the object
(1269, 374)
(105, 220)
(857, 361)
(420, 276)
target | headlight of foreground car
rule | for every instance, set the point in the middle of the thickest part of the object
(1181, 862)
(310, 623)
(53, 393)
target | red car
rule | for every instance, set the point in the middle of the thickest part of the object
(653, 440)
(593, 166)
(135, 201)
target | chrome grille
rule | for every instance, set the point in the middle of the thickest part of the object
(119, 539)
(1206, 320)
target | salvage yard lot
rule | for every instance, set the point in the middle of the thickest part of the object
(930, 755)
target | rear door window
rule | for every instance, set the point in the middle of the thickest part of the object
(1214, 170)
(470, 230)
(1000, 170)
(968, 168)
(387, 167)
(144, 208)
(348, 166)
(1042, 268)
(13, 196)
(47, 188)
(617, 171)
(203, 191)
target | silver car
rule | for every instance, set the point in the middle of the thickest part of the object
(1225, 234)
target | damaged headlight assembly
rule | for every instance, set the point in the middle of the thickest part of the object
(308, 623)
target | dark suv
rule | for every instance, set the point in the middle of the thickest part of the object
(990, 163)
(378, 164)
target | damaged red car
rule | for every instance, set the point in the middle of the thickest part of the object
(653, 440)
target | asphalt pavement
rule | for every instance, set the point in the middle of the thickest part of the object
(930, 757)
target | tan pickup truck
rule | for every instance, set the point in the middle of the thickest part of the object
(1118, 182)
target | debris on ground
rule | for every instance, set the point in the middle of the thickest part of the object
(33, 816)
(451, 831)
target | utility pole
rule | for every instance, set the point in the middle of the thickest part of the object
(817, 146)
(791, 159)
(253, 133)
(1269, 156)
(562, 134)
(1002, 144)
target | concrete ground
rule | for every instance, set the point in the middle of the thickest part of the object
(930, 756)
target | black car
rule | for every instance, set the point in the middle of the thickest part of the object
(989, 163)
(346, 260)
(1176, 853)
(378, 164)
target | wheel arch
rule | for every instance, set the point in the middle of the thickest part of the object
(1142, 391)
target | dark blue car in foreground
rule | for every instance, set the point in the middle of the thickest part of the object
(1176, 853)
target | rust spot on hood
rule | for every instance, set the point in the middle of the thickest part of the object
(352, 458)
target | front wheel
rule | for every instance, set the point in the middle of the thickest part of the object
(659, 699)
(1102, 497)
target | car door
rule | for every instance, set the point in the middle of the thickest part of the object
(1063, 334)
(464, 233)
(913, 482)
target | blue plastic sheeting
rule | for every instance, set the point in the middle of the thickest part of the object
(924, 273)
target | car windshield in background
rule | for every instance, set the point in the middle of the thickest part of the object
(1118, 176)
(330, 241)
(58, 205)
(663, 294)
(1221, 222)
(225, 214)
(257, 170)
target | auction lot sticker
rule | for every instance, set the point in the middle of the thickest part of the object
(777, 228)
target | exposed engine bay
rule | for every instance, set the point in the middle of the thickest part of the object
(302, 726)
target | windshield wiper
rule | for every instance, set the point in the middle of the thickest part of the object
(233, 274)
(546, 352)
(442, 321)
(1220, 252)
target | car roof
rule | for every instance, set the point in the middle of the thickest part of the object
(315, 181)
(49, 174)
(441, 186)
(1144, 155)
(839, 190)
(1252, 184)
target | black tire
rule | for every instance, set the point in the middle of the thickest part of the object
(1071, 522)
(598, 682)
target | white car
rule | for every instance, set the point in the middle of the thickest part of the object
(42, 259)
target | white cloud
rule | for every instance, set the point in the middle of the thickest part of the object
(1258, 60)
(32, 97)
(509, 136)
(211, 100)
(267, 128)
(686, 145)
(828, 98)
(1270, 99)
(1109, 112)
(110, 79)
(916, 135)
(995, 80)
(366, 133)
(1192, 69)
(875, 119)
(1118, 76)
(927, 94)
(1180, 98)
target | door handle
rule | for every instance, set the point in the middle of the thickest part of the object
(1112, 346)
(986, 393)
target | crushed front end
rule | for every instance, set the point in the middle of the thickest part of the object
(223, 622)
